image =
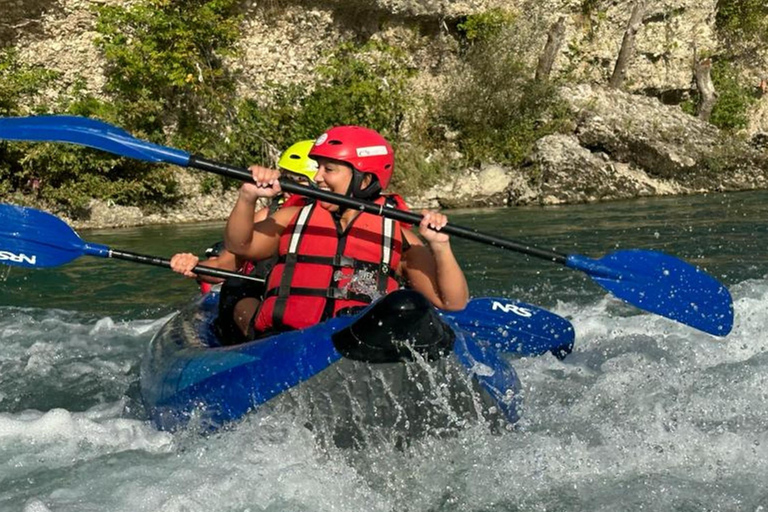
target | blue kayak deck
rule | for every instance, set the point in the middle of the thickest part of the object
(183, 376)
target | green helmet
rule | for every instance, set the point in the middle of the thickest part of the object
(296, 159)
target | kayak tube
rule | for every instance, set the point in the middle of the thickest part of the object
(399, 365)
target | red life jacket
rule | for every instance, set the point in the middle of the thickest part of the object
(261, 268)
(322, 270)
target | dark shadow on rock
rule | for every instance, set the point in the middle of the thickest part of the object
(23, 17)
(364, 17)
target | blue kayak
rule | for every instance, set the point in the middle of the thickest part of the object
(399, 363)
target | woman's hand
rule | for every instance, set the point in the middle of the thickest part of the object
(430, 227)
(265, 183)
(183, 263)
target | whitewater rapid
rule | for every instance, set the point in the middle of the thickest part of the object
(646, 414)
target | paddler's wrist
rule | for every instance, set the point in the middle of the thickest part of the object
(440, 247)
(247, 198)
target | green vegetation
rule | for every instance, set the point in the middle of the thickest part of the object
(742, 21)
(165, 69)
(733, 98)
(164, 75)
(485, 26)
(495, 106)
(365, 86)
(742, 26)
(64, 175)
(167, 82)
(19, 83)
(360, 84)
(417, 170)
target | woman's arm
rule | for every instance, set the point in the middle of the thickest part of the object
(184, 262)
(243, 236)
(432, 269)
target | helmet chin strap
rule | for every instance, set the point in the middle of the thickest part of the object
(356, 189)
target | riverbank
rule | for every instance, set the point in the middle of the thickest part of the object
(474, 122)
(621, 146)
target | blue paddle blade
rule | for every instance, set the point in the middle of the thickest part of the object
(514, 327)
(34, 239)
(88, 132)
(493, 373)
(664, 285)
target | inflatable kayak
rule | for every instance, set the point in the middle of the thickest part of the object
(398, 362)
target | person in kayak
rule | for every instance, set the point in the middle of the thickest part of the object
(332, 259)
(212, 254)
(294, 164)
(239, 295)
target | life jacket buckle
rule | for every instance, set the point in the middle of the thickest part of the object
(343, 261)
(336, 293)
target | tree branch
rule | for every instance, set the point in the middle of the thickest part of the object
(627, 45)
(707, 93)
(551, 49)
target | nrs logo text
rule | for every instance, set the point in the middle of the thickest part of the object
(18, 258)
(511, 308)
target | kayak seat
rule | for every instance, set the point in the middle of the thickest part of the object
(402, 326)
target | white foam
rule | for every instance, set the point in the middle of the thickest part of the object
(35, 505)
(645, 414)
(98, 428)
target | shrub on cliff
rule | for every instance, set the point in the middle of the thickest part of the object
(742, 27)
(734, 99)
(63, 176)
(360, 84)
(20, 85)
(165, 67)
(364, 84)
(742, 22)
(66, 176)
(166, 82)
(495, 108)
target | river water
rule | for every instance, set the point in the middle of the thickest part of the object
(646, 414)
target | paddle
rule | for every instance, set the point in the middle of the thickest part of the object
(35, 239)
(650, 280)
(514, 327)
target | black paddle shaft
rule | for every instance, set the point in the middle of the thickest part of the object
(350, 202)
(166, 263)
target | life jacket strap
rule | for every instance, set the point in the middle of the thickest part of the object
(327, 293)
(337, 261)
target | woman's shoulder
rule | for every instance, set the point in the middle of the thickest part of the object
(286, 212)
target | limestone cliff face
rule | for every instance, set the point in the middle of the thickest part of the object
(286, 40)
(286, 43)
(630, 143)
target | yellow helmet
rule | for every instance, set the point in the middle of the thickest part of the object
(296, 159)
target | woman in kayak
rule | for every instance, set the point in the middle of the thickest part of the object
(212, 254)
(240, 295)
(332, 259)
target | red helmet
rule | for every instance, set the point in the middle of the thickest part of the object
(362, 148)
